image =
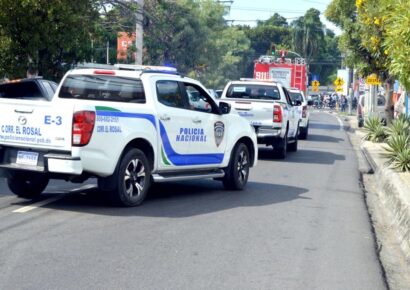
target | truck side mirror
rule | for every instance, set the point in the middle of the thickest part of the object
(224, 108)
(310, 102)
(297, 103)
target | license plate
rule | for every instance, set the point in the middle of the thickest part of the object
(27, 158)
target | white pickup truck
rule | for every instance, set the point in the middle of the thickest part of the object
(128, 128)
(269, 109)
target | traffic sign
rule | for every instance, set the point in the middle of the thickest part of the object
(373, 79)
(339, 89)
(315, 83)
(339, 82)
(315, 88)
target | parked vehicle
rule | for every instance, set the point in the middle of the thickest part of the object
(127, 128)
(269, 109)
(29, 89)
(363, 111)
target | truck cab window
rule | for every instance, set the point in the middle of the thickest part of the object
(198, 99)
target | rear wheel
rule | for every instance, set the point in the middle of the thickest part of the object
(304, 132)
(281, 150)
(27, 184)
(131, 180)
(237, 172)
(294, 146)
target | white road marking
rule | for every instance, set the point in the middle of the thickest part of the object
(338, 119)
(25, 209)
(28, 208)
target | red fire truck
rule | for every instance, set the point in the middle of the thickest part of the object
(291, 73)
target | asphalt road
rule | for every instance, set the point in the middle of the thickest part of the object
(301, 223)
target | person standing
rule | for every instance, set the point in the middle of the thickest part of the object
(32, 72)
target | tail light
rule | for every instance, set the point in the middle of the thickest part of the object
(104, 72)
(277, 113)
(83, 126)
(304, 111)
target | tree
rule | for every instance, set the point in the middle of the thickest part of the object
(235, 54)
(308, 34)
(397, 39)
(45, 34)
(317, 44)
(175, 35)
(371, 17)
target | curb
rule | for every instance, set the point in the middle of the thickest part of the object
(366, 166)
(369, 159)
(394, 195)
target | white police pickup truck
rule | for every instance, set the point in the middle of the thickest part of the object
(269, 109)
(128, 128)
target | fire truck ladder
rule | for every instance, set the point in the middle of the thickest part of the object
(298, 71)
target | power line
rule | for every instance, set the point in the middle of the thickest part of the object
(256, 9)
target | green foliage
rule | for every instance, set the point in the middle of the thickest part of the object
(399, 127)
(189, 34)
(45, 34)
(398, 143)
(375, 130)
(398, 152)
(397, 39)
(361, 36)
(308, 34)
(318, 45)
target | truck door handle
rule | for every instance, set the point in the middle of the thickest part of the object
(24, 111)
(197, 120)
(165, 118)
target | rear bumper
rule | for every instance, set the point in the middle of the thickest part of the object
(61, 163)
(269, 136)
(303, 122)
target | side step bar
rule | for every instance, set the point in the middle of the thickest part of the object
(189, 175)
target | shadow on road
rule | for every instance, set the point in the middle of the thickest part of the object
(313, 125)
(302, 156)
(323, 138)
(181, 199)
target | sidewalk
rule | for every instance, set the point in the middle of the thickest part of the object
(388, 198)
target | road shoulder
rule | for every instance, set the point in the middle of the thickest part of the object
(387, 195)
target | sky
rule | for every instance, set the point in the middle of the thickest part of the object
(247, 12)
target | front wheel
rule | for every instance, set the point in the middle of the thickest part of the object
(27, 184)
(131, 180)
(237, 172)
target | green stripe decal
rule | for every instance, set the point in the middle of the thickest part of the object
(164, 158)
(103, 108)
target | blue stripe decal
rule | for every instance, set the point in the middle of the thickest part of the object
(187, 159)
(149, 117)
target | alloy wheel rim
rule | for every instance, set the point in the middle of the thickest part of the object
(134, 178)
(242, 166)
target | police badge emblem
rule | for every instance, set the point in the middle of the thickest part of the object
(219, 130)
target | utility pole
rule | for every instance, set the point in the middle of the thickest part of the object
(139, 32)
(108, 52)
(350, 82)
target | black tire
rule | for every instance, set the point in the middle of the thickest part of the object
(27, 184)
(237, 172)
(131, 180)
(282, 150)
(304, 132)
(293, 147)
